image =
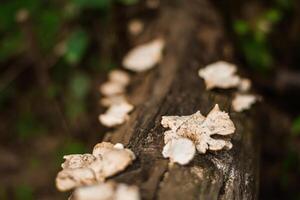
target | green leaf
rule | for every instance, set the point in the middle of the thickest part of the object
(76, 46)
(24, 192)
(80, 85)
(241, 27)
(296, 127)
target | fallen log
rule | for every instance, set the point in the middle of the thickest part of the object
(194, 38)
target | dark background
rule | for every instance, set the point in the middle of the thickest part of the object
(54, 54)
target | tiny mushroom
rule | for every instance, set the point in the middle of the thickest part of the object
(220, 74)
(107, 191)
(145, 56)
(116, 84)
(86, 169)
(135, 26)
(243, 102)
(116, 114)
(198, 129)
(245, 85)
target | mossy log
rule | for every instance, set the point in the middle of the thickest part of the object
(195, 37)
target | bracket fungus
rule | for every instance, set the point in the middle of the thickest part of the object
(243, 102)
(87, 169)
(116, 84)
(220, 74)
(197, 129)
(181, 150)
(116, 114)
(107, 191)
(114, 98)
(145, 56)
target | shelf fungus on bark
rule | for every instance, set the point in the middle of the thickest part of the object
(243, 102)
(114, 98)
(116, 114)
(87, 169)
(116, 84)
(145, 56)
(107, 191)
(198, 130)
(220, 74)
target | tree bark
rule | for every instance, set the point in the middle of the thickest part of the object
(195, 37)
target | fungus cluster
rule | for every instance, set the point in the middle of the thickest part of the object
(187, 133)
(88, 169)
(223, 75)
(114, 98)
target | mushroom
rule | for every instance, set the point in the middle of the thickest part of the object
(86, 169)
(145, 56)
(243, 102)
(198, 129)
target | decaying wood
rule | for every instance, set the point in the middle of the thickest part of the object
(194, 38)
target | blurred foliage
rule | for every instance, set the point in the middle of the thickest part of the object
(254, 37)
(79, 87)
(3, 193)
(76, 46)
(29, 126)
(296, 126)
(24, 192)
(71, 146)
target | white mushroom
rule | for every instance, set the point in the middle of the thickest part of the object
(125, 192)
(107, 191)
(145, 56)
(114, 159)
(220, 74)
(199, 130)
(86, 169)
(119, 76)
(181, 150)
(243, 102)
(116, 114)
(71, 178)
(102, 191)
(116, 84)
